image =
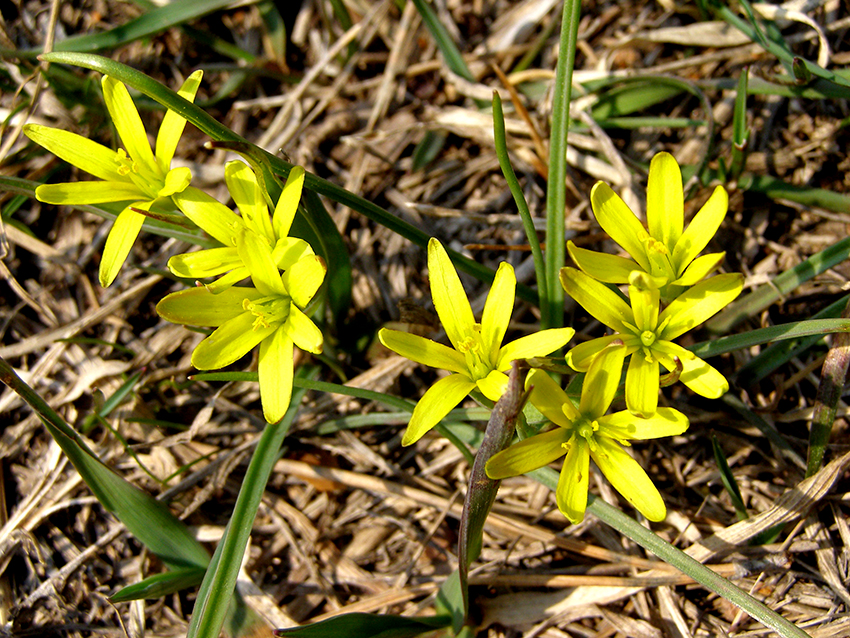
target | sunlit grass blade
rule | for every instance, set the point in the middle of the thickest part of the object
(783, 331)
(776, 188)
(444, 41)
(357, 625)
(275, 30)
(159, 585)
(114, 400)
(740, 134)
(633, 97)
(728, 480)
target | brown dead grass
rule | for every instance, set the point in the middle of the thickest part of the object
(374, 529)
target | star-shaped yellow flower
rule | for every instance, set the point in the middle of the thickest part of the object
(587, 432)
(477, 358)
(136, 175)
(666, 252)
(648, 332)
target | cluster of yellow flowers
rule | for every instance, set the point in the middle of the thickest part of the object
(284, 271)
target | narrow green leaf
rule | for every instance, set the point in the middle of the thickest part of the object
(428, 149)
(633, 97)
(275, 29)
(160, 585)
(728, 479)
(783, 331)
(452, 602)
(776, 188)
(444, 41)
(367, 626)
(114, 400)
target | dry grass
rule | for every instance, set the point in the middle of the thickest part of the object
(376, 530)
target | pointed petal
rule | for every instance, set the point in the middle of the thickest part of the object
(609, 269)
(436, 403)
(127, 122)
(698, 303)
(176, 181)
(200, 307)
(580, 357)
(493, 386)
(289, 250)
(245, 189)
(88, 193)
(303, 331)
(528, 455)
(600, 301)
(204, 263)
(701, 229)
(619, 222)
(77, 150)
(625, 426)
(698, 375)
(629, 479)
(275, 369)
(287, 205)
(497, 311)
(228, 343)
(548, 397)
(602, 380)
(173, 124)
(450, 300)
(424, 351)
(538, 344)
(209, 214)
(646, 303)
(119, 242)
(230, 279)
(642, 384)
(699, 268)
(665, 204)
(574, 480)
(303, 279)
(256, 254)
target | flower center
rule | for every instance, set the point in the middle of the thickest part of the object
(269, 311)
(659, 259)
(474, 353)
(647, 337)
(586, 428)
(141, 175)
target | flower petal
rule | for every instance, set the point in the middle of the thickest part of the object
(209, 214)
(173, 124)
(303, 279)
(204, 263)
(609, 269)
(538, 344)
(642, 384)
(256, 254)
(288, 250)
(699, 268)
(580, 357)
(436, 403)
(275, 369)
(245, 190)
(228, 343)
(599, 300)
(230, 279)
(303, 331)
(698, 303)
(602, 380)
(450, 300)
(77, 150)
(119, 242)
(493, 386)
(665, 204)
(200, 307)
(646, 303)
(701, 229)
(287, 205)
(424, 351)
(619, 222)
(625, 426)
(548, 397)
(176, 181)
(629, 479)
(698, 375)
(88, 193)
(497, 312)
(127, 122)
(528, 455)
(573, 482)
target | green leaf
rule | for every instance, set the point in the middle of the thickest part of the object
(444, 41)
(160, 585)
(367, 626)
(633, 97)
(820, 327)
(428, 149)
(728, 480)
(452, 602)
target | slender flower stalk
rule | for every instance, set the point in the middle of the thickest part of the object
(477, 358)
(648, 332)
(134, 174)
(588, 432)
(666, 252)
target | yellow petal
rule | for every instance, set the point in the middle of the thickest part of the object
(128, 123)
(701, 229)
(199, 307)
(528, 455)
(422, 350)
(303, 279)
(209, 214)
(493, 386)
(497, 311)
(625, 426)
(573, 482)
(580, 357)
(119, 242)
(172, 124)
(698, 303)
(287, 205)
(609, 269)
(538, 344)
(435, 404)
(548, 397)
(602, 380)
(176, 181)
(303, 331)
(642, 384)
(698, 375)
(450, 300)
(619, 222)
(204, 263)
(288, 250)
(232, 278)
(645, 304)
(245, 190)
(665, 205)
(629, 479)
(77, 150)
(256, 254)
(275, 370)
(699, 268)
(600, 301)
(228, 343)
(88, 193)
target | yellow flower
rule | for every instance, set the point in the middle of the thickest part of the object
(477, 358)
(269, 314)
(587, 432)
(647, 332)
(136, 175)
(224, 225)
(666, 252)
